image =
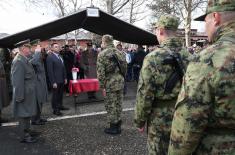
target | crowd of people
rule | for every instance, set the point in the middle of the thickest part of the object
(185, 101)
(50, 70)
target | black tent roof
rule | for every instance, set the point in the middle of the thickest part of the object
(104, 24)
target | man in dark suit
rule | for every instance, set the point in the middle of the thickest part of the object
(57, 77)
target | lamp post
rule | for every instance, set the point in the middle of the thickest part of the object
(92, 3)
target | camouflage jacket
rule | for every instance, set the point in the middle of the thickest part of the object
(152, 80)
(108, 73)
(206, 102)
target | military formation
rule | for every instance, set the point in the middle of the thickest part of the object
(195, 112)
(185, 103)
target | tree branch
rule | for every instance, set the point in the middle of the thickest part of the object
(116, 11)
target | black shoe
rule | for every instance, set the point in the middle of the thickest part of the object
(43, 120)
(28, 139)
(92, 97)
(3, 120)
(113, 129)
(38, 123)
(34, 133)
(119, 124)
(64, 108)
(58, 113)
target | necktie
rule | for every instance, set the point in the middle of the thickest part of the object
(60, 59)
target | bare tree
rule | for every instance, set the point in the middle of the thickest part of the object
(187, 19)
(62, 7)
(181, 8)
(127, 10)
(114, 6)
(135, 9)
(75, 7)
(5, 3)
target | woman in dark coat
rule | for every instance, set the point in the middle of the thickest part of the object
(4, 96)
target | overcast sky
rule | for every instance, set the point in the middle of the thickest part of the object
(16, 16)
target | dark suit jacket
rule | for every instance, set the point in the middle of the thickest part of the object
(55, 69)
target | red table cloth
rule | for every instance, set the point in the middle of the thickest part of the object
(84, 85)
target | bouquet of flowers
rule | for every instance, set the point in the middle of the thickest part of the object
(74, 73)
(74, 69)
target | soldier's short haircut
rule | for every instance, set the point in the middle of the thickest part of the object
(107, 39)
(227, 16)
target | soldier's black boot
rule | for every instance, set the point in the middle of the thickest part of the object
(28, 138)
(113, 129)
(3, 121)
(119, 124)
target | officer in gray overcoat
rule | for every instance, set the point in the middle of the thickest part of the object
(41, 84)
(24, 91)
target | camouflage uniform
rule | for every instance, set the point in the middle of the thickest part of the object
(153, 105)
(204, 120)
(112, 81)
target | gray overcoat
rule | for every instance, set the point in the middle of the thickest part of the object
(41, 83)
(24, 87)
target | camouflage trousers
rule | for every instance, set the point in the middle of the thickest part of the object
(159, 127)
(215, 144)
(113, 105)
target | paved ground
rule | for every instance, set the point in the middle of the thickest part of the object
(80, 135)
(77, 136)
(83, 106)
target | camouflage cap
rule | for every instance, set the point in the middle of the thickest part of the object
(23, 43)
(107, 38)
(217, 6)
(168, 22)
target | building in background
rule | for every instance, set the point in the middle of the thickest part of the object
(198, 38)
(69, 39)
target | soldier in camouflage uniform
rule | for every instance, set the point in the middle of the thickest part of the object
(204, 120)
(154, 105)
(111, 69)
